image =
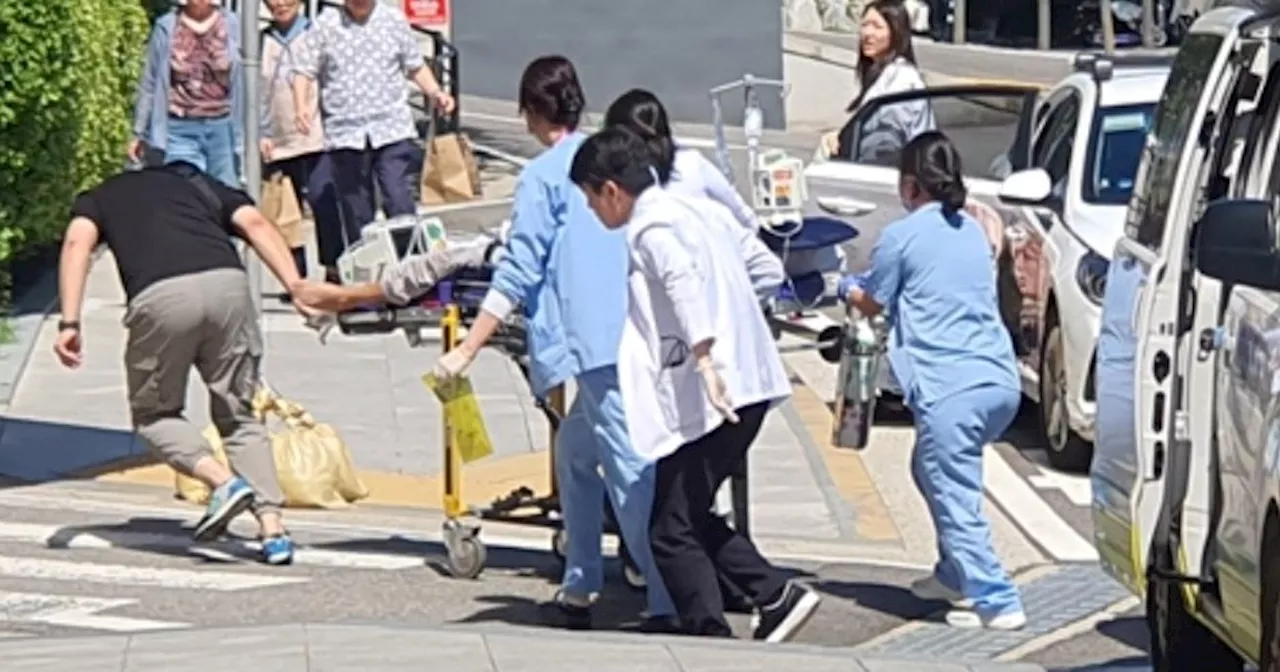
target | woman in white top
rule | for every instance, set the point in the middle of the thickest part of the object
(698, 370)
(886, 66)
(682, 170)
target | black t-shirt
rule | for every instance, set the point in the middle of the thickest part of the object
(158, 224)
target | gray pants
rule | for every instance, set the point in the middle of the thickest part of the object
(205, 320)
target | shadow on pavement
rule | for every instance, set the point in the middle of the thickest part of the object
(1130, 631)
(33, 451)
(887, 599)
(164, 536)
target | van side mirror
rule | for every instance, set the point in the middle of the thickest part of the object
(1235, 242)
(1030, 187)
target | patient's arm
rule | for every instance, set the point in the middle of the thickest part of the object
(417, 274)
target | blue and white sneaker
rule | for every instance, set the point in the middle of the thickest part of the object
(278, 550)
(225, 503)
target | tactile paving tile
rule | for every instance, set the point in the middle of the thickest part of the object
(1052, 601)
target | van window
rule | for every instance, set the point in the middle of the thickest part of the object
(1175, 116)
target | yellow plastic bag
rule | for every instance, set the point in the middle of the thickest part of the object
(462, 413)
(312, 462)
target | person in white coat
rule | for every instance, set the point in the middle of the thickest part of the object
(886, 66)
(682, 170)
(699, 365)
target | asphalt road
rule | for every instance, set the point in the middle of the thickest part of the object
(66, 572)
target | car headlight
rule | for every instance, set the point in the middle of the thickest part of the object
(1091, 276)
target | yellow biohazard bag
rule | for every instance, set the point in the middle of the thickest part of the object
(312, 462)
(462, 413)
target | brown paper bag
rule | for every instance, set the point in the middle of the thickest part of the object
(280, 205)
(451, 173)
(312, 461)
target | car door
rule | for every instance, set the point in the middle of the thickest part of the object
(1029, 258)
(990, 125)
(1138, 338)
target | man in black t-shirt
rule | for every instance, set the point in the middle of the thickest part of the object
(189, 304)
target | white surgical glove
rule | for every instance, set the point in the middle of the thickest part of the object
(453, 364)
(715, 389)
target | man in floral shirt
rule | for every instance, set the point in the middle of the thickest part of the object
(361, 54)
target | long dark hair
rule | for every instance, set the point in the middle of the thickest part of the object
(934, 164)
(549, 88)
(641, 112)
(899, 22)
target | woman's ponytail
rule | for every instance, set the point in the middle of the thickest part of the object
(934, 164)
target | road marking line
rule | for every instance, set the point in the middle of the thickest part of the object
(76, 612)
(1032, 514)
(1076, 489)
(44, 569)
(54, 536)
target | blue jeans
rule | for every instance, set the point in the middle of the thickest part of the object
(207, 144)
(947, 468)
(592, 437)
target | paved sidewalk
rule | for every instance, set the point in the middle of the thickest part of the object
(355, 648)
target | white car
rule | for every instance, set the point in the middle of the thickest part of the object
(1068, 211)
(1059, 167)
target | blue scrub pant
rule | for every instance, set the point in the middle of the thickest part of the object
(593, 437)
(946, 465)
(207, 144)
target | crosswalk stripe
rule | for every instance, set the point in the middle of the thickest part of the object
(76, 612)
(156, 577)
(55, 536)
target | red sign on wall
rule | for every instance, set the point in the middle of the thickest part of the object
(428, 13)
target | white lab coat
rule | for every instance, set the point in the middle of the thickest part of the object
(693, 174)
(688, 282)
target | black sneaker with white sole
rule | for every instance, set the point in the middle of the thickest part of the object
(779, 621)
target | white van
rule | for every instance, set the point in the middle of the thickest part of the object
(1187, 435)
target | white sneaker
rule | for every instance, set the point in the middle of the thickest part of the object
(930, 589)
(959, 618)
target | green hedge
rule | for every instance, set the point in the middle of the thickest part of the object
(70, 70)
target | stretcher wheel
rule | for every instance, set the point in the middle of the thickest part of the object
(467, 556)
(632, 574)
(560, 544)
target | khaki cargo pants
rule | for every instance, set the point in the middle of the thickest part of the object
(205, 320)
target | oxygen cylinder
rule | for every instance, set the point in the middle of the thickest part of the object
(856, 392)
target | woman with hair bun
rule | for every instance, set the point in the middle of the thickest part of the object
(952, 355)
(682, 170)
(569, 274)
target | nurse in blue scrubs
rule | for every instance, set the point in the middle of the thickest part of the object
(952, 355)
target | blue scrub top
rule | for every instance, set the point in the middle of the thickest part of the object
(933, 273)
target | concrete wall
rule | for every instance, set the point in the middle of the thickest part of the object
(678, 49)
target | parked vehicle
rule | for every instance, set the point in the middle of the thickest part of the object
(1186, 471)
(1060, 169)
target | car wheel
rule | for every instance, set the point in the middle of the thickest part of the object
(1179, 643)
(1270, 604)
(1067, 451)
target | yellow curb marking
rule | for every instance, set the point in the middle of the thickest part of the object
(482, 482)
(846, 469)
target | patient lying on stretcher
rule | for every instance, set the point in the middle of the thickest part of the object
(408, 280)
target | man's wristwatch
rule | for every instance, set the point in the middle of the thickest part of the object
(64, 325)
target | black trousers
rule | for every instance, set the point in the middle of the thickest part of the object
(354, 172)
(692, 546)
(312, 177)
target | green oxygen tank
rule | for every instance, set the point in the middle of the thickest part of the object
(862, 346)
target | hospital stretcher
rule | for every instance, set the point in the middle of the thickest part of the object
(450, 306)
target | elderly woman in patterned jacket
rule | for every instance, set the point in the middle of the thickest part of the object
(360, 55)
(190, 101)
